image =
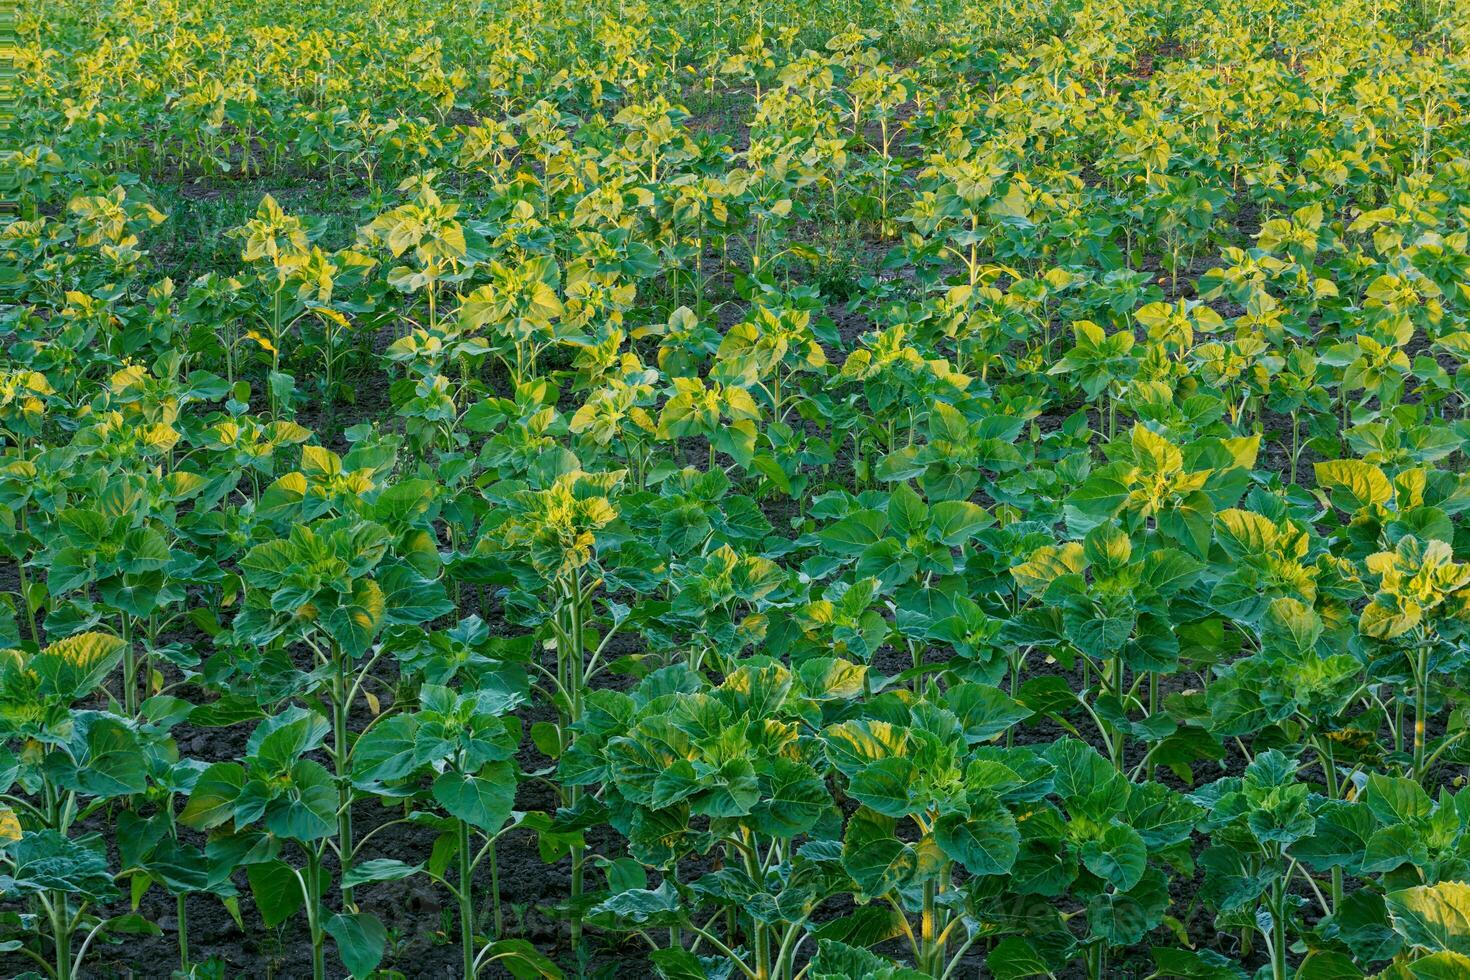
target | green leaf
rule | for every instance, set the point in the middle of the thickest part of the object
(1087, 783)
(1354, 484)
(521, 960)
(387, 752)
(360, 939)
(1361, 922)
(953, 522)
(308, 810)
(853, 534)
(873, 855)
(642, 907)
(677, 963)
(1396, 799)
(851, 745)
(1339, 838)
(1169, 571)
(484, 800)
(1291, 627)
(839, 960)
(229, 709)
(106, 758)
(1097, 499)
(792, 798)
(729, 791)
(1124, 918)
(1443, 965)
(1204, 964)
(1118, 855)
(47, 861)
(357, 620)
(984, 711)
(1434, 918)
(72, 668)
(986, 842)
(907, 512)
(868, 925)
(276, 889)
(378, 869)
(1107, 547)
(677, 782)
(212, 801)
(1013, 958)
(884, 786)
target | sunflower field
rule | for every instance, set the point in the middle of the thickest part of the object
(735, 489)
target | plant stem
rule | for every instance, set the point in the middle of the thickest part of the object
(466, 902)
(497, 916)
(25, 589)
(339, 755)
(183, 934)
(1119, 738)
(676, 939)
(931, 955)
(577, 665)
(1329, 769)
(61, 934)
(1296, 437)
(130, 669)
(1421, 698)
(313, 883)
(1278, 929)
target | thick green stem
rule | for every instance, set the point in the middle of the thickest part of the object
(130, 669)
(183, 915)
(1329, 769)
(1296, 439)
(466, 902)
(61, 934)
(1398, 725)
(762, 953)
(1421, 698)
(1278, 929)
(1015, 688)
(497, 916)
(25, 588)
(344, 786)
(314, 916)
(1119, 738)
(676, 938)
(577, 666)
(931, 952)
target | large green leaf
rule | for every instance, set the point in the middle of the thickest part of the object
(276, 889)
(360, 938)
(1433, 918)
(984, 711)
(72, 668)
(307, 809)
(884, 785)
(521, 960)
(212, 801)
(387, 752)
(874, 856)
(106, 758)
(986, 841)
(1087, 783)
(1117, 854)
(47, 861)
(483, 799)
(1124, 918)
